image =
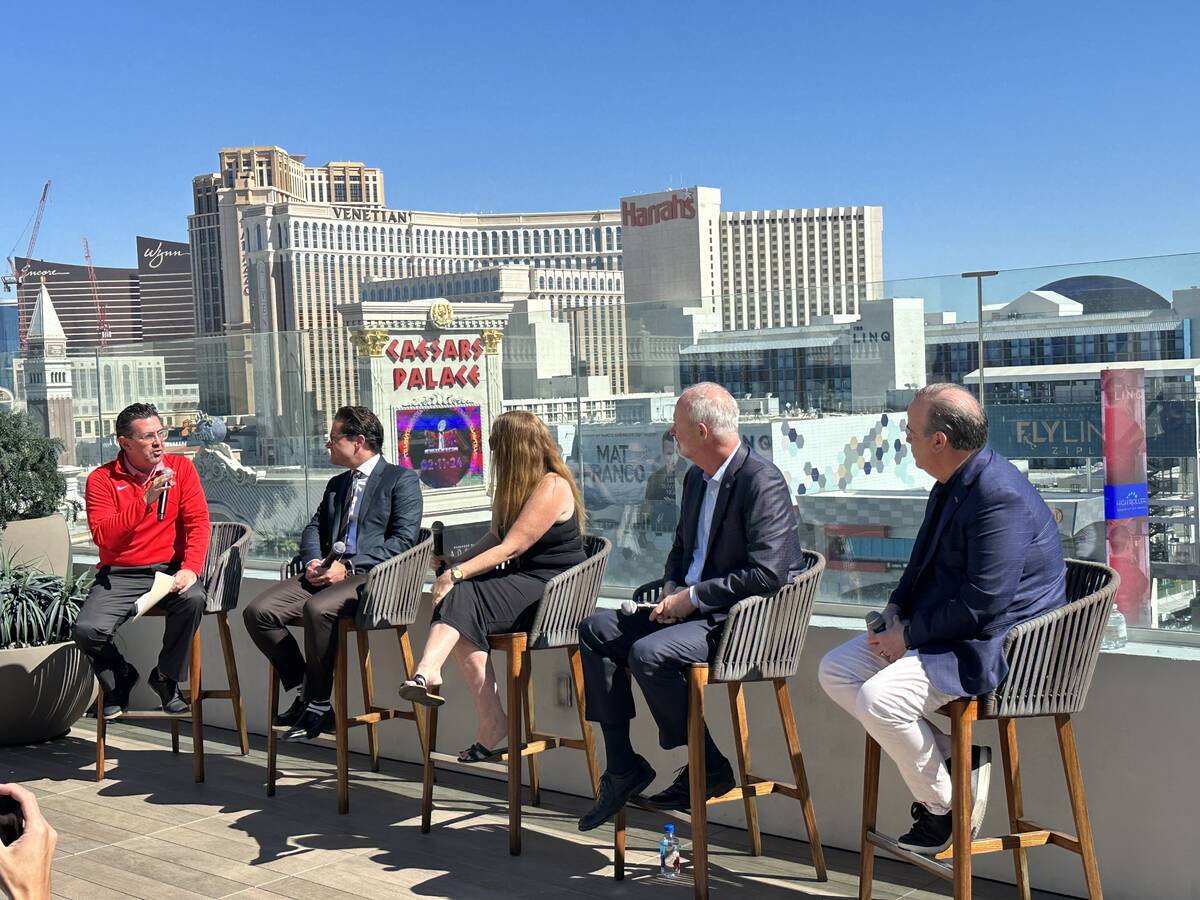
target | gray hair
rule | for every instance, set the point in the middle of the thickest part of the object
(712, 405)
(956, 413)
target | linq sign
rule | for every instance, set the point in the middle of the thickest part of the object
(462, 351)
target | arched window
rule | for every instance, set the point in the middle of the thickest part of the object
(475, 285)
(537, 242)
(618, 284)
(610, 284)
(404, 292)
(257, 237)
(576, 284)
(618, 237)
(557, 241)
(587, 240)
(495, 243)
(504, 239)
(560, 287)
(578, 240)
(542, 281)
(474, 243)
(525, 242)
(608, 238)
(495, 282)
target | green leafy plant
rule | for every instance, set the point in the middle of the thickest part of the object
(37, 608)
(30, 484)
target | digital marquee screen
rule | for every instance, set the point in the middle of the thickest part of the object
(444, 446)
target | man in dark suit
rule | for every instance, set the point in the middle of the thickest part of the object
(375, 509)
(736, 538)
(987, 557)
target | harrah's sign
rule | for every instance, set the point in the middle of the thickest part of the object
(463, 353)
(677, 207)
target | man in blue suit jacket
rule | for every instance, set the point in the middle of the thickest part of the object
(987, 557)
(375, 509)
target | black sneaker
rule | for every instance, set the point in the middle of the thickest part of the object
(678, 796)
(981, 781)
(615, 791)
(292, 714)
(930, 834)
(310, 724)
(168, 693)
(117, 700)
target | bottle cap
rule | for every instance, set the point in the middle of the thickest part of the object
(669, 828)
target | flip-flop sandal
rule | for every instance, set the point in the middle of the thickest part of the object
(478, 753)
(418, 691)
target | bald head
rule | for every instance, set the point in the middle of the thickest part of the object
(955, 412)
(711, 405)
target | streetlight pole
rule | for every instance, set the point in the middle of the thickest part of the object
(979, 276)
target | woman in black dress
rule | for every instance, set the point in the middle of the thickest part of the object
(537, 523)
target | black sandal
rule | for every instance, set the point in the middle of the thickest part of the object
(478, 753)
(418, 691)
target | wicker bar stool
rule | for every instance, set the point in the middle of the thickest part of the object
(222, 578)
(569, 598)
(1051, 662)
(761, 641)
(390, 599)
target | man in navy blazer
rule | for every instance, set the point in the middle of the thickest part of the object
(375, 509)
(736, 538)
(987, 557)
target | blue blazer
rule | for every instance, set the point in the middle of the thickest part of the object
(992, 560)
(388, 521)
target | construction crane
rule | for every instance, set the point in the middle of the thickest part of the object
(103, 332)
(15, 276)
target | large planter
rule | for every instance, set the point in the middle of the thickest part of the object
(44, 544)
(43, 692)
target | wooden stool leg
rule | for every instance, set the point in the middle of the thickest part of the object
(516, 654)
(783, 700)
(231, 675)
(272, 734)
(962, 716)
(429, 715)
(585, 727)
(175, 736)
(535, 786)
(1079, 809)
(341, 728)
(368, 692)
(697, 679)
(866, 859)
(741, 741)
(619, 846)
(1016, 807)
(101, 733)
(197, 699)
(423, 720)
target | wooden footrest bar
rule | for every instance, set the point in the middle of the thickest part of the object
(380, 714)
(1058, 838)
(150, 714)
(928, 864)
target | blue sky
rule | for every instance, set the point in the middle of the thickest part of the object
(994, 135)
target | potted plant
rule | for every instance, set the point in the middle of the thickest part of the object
(31, 494)
(46, 681)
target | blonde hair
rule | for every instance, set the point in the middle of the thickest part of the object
(523, 452)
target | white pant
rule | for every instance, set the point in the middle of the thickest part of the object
(892, 700)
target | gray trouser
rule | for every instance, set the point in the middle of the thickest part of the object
(110, 603)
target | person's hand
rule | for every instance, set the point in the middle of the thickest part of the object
(324, 576)
(441, 587)
(157, 486)
(888, 644)
(673, 608)
(184, 579)
(25, 863)
(438, 563)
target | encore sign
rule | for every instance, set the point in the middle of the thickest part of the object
(465, 353)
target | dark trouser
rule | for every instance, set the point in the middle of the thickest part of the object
(111, 602)
(612, 646)
(295, 602)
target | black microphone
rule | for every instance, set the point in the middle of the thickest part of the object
(876, 622)
(335, 552)
(439, 542)
(162, 498)
(629, 608)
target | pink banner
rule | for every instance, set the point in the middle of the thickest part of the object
(1125, 491)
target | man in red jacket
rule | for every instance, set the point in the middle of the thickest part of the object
(135, 541)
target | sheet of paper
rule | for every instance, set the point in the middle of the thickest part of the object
(158, 590)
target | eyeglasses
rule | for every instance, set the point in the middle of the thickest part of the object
(160, 435)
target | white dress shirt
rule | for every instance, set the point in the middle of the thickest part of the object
(712, 487)
(361, 474)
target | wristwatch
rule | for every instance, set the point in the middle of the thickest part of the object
(456, 575)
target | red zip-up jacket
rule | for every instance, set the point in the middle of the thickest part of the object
(127, 530)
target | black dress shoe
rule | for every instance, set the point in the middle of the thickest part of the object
(615, 791)
(117, 700)
(930, 833)
(678, 796)
(168, 693)
(309, 725)
(292, 714)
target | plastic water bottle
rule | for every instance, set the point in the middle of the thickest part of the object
(1115, 634)
(668, 852)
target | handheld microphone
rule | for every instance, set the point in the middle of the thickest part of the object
(162, 498)
(629, 608)
(876, 622)
(335, 552)
(439, 542)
